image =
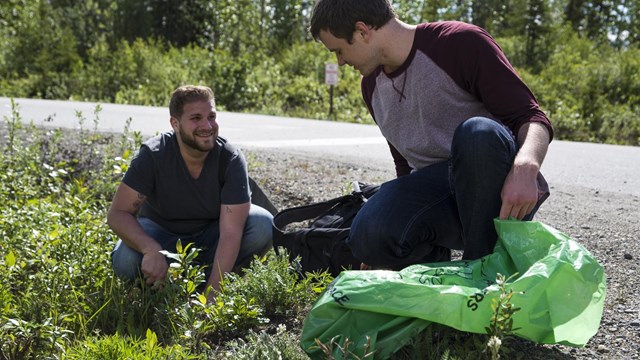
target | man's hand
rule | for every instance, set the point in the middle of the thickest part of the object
(233, 217)
(211, 295)
(519, 192)
(520, 189)
(154, 266)
(122, 220)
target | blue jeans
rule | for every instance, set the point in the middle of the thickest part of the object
(419, 217)
(256, 240)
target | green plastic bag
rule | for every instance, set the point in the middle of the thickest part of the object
(559, 286)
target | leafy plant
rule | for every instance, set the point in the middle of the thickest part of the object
(281, 345)
(501, 326)
(182, 309)
(14, 124)
(344, 350)
(21, 338)
(274, 284)
(117, 347)
(439, 342)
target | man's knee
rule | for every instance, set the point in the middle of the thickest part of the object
(480, 133)
(258, 235)
(368, 240)
(402, 223)
(125, 262)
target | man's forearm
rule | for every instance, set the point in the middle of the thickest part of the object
(533, 139)
(232, 222)
(224, 260)
(127, 227)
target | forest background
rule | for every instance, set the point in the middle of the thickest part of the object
(581, 58)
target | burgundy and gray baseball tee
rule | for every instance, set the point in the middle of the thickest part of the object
(455, 71)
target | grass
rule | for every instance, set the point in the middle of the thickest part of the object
(60, 300)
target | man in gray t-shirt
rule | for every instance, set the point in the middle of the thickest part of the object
(187, 184)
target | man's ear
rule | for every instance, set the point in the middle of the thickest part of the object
(362, 31)
(174, 123)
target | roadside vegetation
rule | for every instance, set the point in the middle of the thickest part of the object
(58, 295)
(59, 298)
(581, 58)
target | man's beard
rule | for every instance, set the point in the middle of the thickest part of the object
(191, 140)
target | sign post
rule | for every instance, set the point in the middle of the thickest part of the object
(331, 79)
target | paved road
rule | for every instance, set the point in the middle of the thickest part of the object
(594, 166)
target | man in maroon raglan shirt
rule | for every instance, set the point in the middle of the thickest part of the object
(466, 134)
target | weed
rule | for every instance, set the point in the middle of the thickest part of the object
(115, 347)
(281, 345)
(501, 326)
(274, 283)
(14, 123)
(23, 338)
(334, 350)
(181, 307)
(439, 342)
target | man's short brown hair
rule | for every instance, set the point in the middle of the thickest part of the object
(339, 17)
(187, 94)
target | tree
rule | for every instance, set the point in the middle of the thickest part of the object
(235, 28)
(287, 24)
(178, 23)
(537, 30)
(435, 10)
(88, 20)
(41, 59)
(184, 22)
(627, 23)
(595, 19)
(487, 13)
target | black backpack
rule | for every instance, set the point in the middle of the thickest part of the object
(321, 245)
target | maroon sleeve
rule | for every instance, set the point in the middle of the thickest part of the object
(402, 165)
(476, 63)
(368, 85)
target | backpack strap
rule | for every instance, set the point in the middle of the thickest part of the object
(223, 164)
(258, 197)
(310, 212)
(306, 212)
(301, 213)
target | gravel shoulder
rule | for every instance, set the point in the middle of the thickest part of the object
(607, 224)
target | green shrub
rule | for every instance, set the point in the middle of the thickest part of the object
(36, 63)
(282, 345)
(590, 92)
(116, 347)
(230, 80)
(275, 285)
(58, 295)
(144, 72)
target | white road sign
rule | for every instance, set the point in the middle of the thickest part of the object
(331, 74)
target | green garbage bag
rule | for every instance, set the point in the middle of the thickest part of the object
(559, 286)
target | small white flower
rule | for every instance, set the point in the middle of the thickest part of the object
(494, 342)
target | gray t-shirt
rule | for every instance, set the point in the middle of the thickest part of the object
(175, 200)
